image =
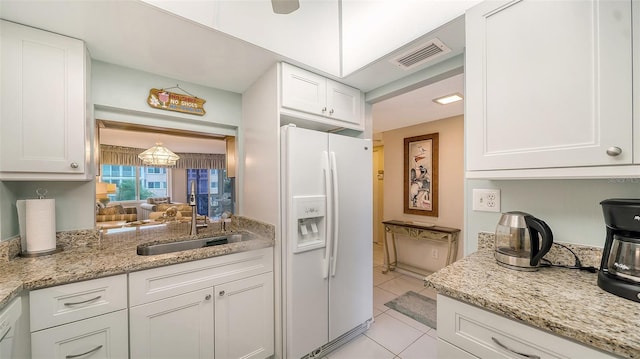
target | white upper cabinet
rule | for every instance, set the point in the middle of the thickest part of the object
(305, 93)
(548, 85)
(43, 132)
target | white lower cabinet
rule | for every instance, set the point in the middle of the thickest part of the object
(176, 327)
(448, 351)
(244, 318)
(80, 320)
(104, 336)
(220, 308)
(465, 331)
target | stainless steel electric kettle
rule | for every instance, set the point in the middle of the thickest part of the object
(521, 241)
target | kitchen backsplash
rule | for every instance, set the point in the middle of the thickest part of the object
(589, 256)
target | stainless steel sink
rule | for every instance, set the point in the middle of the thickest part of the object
(161, 248)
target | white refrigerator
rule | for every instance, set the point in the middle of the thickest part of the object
(327, 289)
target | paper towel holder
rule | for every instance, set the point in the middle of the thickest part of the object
(26, 254)
(22, 217)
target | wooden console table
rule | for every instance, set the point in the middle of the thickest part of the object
(418, 232)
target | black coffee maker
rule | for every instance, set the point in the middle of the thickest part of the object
(620, 266)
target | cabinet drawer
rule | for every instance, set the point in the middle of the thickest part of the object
(488, 335)
(448, 351)
(70, 302)
(8, 317)
(105, 336)
(159, 283)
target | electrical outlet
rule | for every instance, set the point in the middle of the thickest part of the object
(434, 253)
(486, 200)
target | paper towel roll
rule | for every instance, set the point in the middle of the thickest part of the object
(37, 225)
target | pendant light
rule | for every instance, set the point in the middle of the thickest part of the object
(158, 155)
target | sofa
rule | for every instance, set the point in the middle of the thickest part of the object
(183, 210)
(116, 213)
(152, 206)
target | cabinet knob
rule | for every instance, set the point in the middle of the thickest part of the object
(221, 293)
(207, 297)
(331, 112)
(614, 151)
(74, 165)
(324, 109)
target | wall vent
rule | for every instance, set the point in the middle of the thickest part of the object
(420, 54)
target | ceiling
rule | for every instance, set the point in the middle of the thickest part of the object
(417, 106)
(135, 34)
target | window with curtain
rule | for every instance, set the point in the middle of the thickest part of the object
(214, 191)
(137, 182)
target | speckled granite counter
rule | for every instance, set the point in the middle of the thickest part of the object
(87, 255)
(565, 302)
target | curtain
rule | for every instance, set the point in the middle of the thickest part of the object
(128, 156)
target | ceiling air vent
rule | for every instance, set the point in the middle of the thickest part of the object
(420, 54)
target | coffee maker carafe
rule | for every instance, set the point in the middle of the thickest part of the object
(521, 241)
(620, 266)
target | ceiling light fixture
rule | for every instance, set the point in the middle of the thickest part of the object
(445, 100)
(158, 155)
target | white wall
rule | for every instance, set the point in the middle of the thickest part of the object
(451, 187)
(121, 94)
(75, 204)
(571, 208)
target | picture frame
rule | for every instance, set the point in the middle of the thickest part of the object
(421, 175)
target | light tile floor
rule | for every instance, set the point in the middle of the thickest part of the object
(392, 335)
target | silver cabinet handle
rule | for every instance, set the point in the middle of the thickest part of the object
(614, 151)
(85, 353)
(207, 297)
(331, 112)
(74, 165)
(221, 293)
(324, 109)
(83, 302)
(530, 356)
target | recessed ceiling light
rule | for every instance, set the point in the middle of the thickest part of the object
(444, 100)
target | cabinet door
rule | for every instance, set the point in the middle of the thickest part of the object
(548, 84)
(244, 318)
(303, 90)
(176, 327)
(42, 123)
(343, 103)
(104, 336)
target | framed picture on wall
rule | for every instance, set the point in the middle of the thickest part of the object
(421, 175)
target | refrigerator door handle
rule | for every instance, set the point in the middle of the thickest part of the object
(335, 210)
(327, 184)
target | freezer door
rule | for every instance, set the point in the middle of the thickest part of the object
(350, 280)
(305, 285)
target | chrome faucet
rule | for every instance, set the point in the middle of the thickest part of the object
(194, 214)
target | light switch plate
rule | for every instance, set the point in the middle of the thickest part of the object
(486, 200)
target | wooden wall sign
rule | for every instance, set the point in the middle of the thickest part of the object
(170, 101)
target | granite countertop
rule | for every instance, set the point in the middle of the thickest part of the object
(89, 255)
(566, 302)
